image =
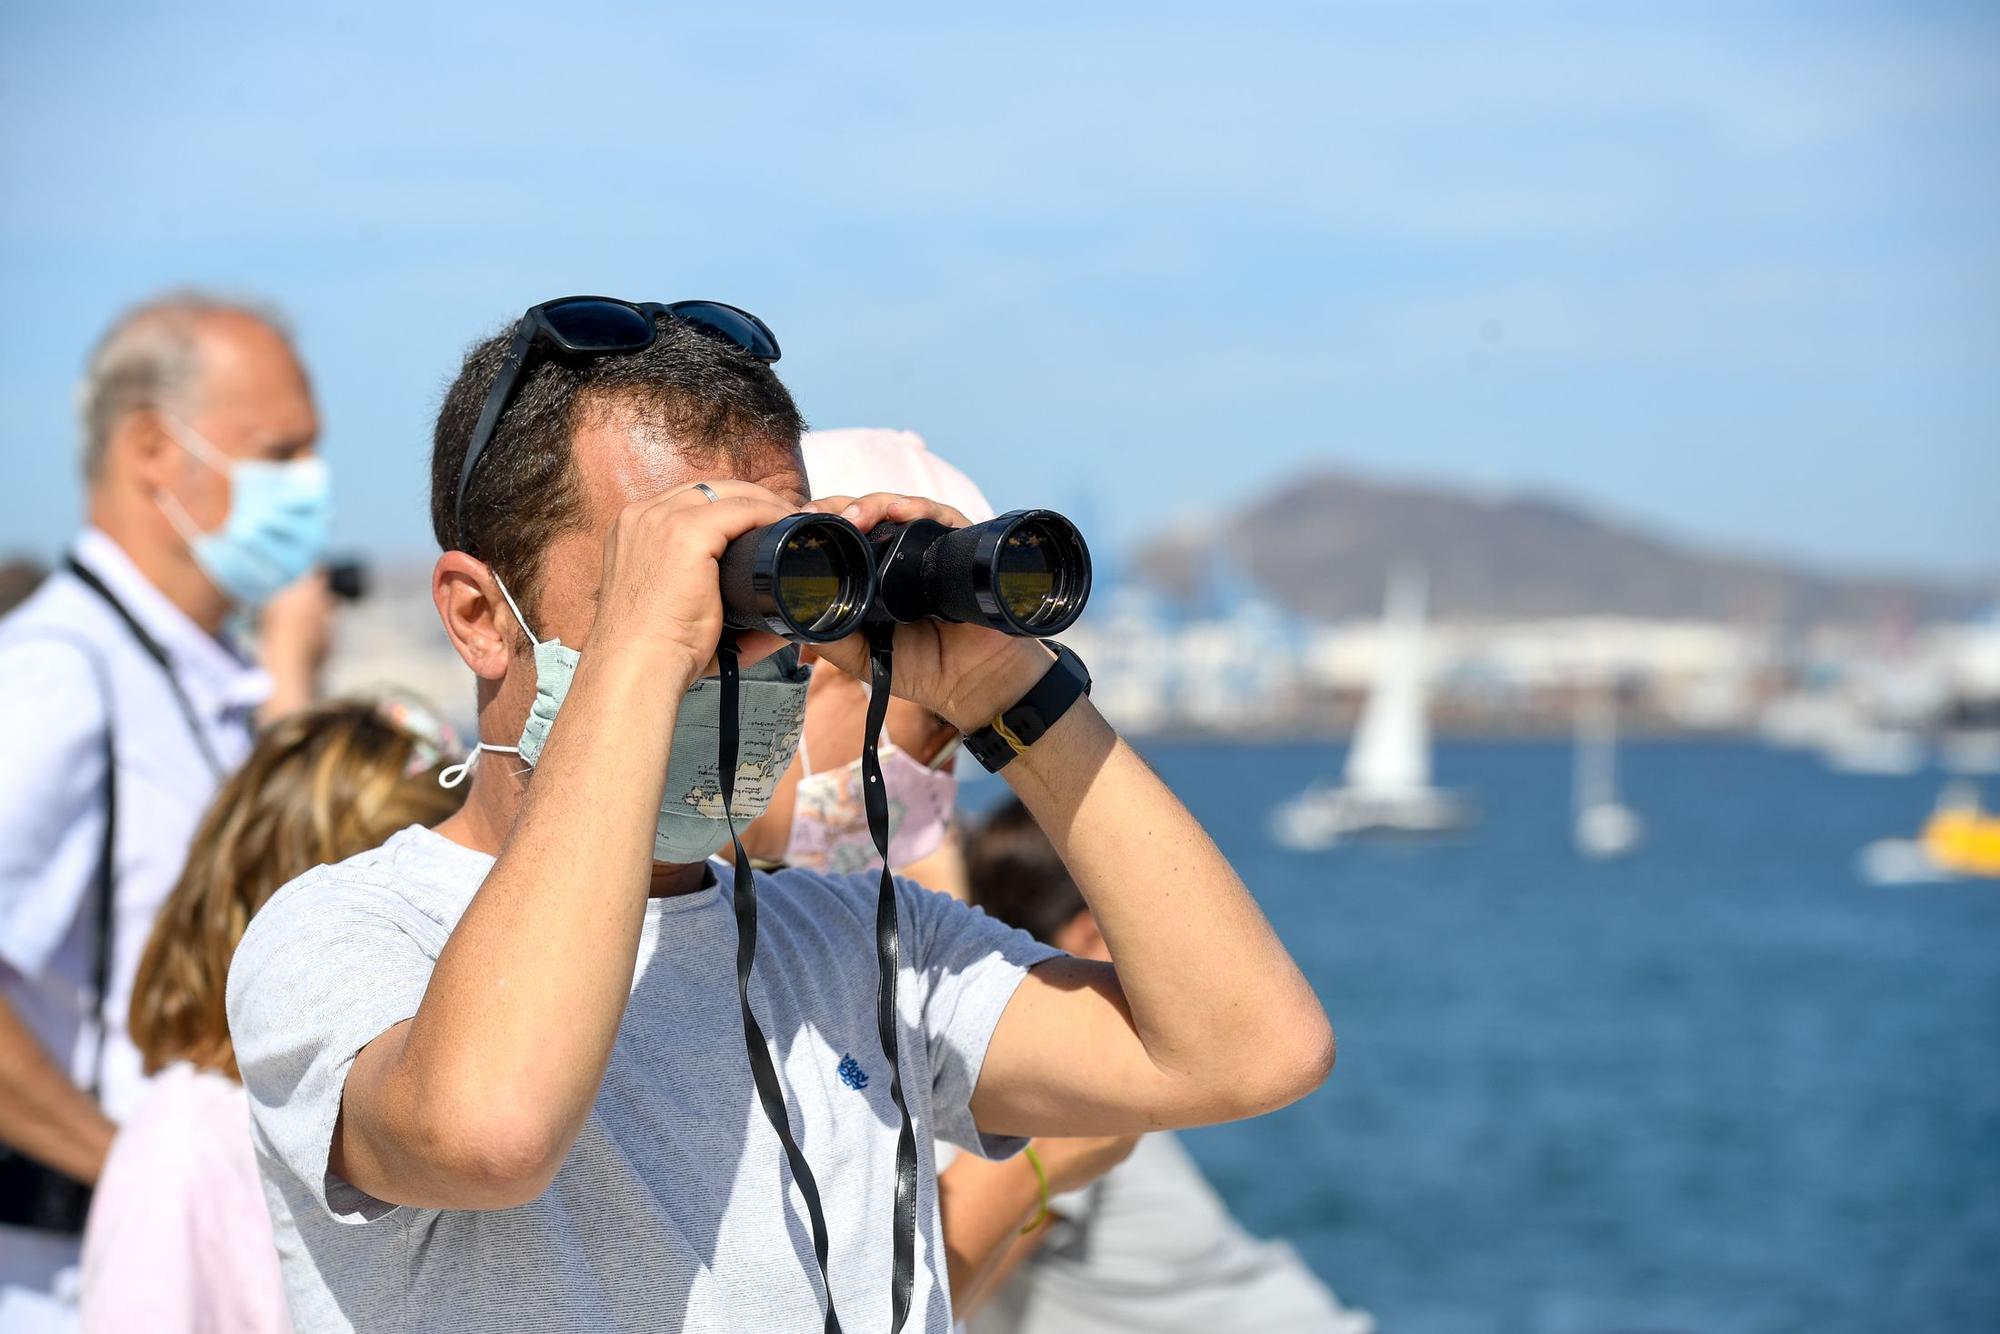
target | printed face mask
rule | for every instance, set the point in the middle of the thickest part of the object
(830, 821)
(279, 518)
(691, 824)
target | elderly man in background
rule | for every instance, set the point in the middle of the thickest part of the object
(205, 499)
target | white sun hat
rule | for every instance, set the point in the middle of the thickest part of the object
(856, 461)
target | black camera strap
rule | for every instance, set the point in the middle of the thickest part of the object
(152, 649)
(101, 961)
(888, 950)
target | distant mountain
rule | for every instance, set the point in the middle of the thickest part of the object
(1324, 545)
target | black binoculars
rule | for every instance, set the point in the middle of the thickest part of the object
(816, 577)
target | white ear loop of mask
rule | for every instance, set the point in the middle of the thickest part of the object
(177, 515)
(455, 774)
(201, 451)
(195, 443)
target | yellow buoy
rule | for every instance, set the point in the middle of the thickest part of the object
(1964, 840)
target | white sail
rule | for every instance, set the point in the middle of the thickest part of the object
(1604, 826)
(1392, 746)
(1596, 783)
(1388, 783)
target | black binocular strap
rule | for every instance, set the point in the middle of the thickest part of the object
(888, 951)
(744, 892)
(887, 958)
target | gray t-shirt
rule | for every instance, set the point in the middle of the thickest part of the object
(675, 1208)
(1151, 1246)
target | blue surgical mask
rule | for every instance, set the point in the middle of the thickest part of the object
(279, 518)
(771, 714)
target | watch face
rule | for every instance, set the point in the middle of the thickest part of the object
(1066, 656)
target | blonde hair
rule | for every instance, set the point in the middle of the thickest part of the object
(320, 786)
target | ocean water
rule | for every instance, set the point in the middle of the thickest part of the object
(1721, 1085)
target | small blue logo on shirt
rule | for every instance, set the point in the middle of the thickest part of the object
(851, 1073)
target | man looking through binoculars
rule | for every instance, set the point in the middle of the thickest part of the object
(498, 1070)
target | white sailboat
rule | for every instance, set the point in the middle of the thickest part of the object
(1387, 783)
(1605, 826)
(1869, 749)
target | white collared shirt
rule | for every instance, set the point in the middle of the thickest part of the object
(52, 794)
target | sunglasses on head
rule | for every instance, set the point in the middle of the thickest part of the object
(596, 326)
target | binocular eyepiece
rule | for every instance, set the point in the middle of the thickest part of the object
(817, 578)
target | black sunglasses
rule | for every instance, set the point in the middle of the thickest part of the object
(596, 326)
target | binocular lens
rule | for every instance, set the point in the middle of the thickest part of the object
(1024, 573)
(1033, 570)
(815, 588)
(809, 577)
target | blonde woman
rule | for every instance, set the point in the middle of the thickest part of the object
(178, 1239)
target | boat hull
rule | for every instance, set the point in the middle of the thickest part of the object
(1608, 829)
(1321, 818)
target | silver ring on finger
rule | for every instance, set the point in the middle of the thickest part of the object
(708, 491)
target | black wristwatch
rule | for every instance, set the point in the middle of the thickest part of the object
(1021, 726)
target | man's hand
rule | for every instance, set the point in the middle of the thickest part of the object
(661, 592)
(42, 1113)
(966, 674)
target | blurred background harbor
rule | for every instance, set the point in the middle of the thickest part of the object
(1531, 603)
(1718, 1086)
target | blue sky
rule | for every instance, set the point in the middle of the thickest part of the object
(1732, 270)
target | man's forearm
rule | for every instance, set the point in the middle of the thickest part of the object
(522, 1010)
(1211, 989)
(981, 1208)
(1019, 1249)
(42, 1113)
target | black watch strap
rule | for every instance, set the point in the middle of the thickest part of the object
(1020, 727)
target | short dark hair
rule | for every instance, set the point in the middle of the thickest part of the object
(525, 492)
(1016, 875)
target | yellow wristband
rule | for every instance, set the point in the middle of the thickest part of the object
(1042, 1183)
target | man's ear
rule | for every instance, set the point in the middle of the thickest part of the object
(149, 455)
(475, 616)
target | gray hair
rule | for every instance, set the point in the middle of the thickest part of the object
(150, 358)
